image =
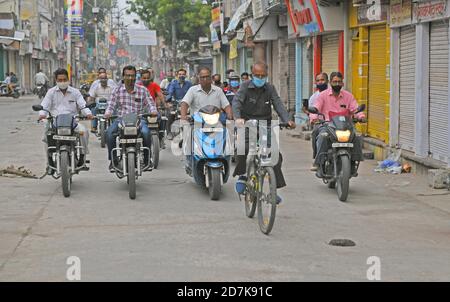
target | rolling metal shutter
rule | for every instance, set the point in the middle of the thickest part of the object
(330, 53)
(377, 101)
(292, 77)
(307, 77)
(407, 88)
(439, 90)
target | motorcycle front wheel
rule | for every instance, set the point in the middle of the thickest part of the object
(65, 173)
(343, 179)
(131, 175)
(154, 152)
(102, 131)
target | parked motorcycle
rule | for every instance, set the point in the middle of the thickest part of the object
(209, 161)
(4, 91)
(338, 166)
(130, 151)
(64, 148)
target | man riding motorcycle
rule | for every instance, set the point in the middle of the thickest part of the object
(334, 99)
(41, 79)
(64, 99)
(103, 90)
(129, 98)
(176, 92)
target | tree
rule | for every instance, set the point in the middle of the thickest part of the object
(182, 21)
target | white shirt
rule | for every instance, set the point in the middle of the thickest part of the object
(58, 103)
(164, 84)
(40, 78)
(101, 92)
(7, 80)
(313, 98)
(96, 83)
(197, 98)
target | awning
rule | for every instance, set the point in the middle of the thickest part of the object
(238, 15)
(264, 29)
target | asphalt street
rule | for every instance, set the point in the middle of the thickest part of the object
(174, 232)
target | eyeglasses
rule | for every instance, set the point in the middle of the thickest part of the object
(260, 76)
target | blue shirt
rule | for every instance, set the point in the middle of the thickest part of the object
(177, 91)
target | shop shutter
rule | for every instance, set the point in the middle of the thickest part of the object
(377, 101)
(292, 77)
(407, 88)
(330, 53)
(439, 90)
(307, 77)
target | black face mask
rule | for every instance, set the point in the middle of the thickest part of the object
(146, 82)
(336, 88)
(322, 87)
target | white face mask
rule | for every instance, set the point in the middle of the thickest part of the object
(62, 85)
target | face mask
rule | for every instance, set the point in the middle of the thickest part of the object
(259, 82)
(63, 85)
(182, 78)
(146, 82)
(234, 84)
(336, 88)
(129, 82)
(322, 87)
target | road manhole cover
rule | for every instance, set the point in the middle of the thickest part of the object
(342, 242)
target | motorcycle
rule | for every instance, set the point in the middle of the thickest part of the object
(153, 125)
(174, 114)
(338, 166)
(5, 92)
(208, 161)
(64, 148)
(130, 152)
(40, 91)
(84, 89)
(100, 106)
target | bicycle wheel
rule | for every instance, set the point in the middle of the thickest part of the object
(251, 191)
(267, 200)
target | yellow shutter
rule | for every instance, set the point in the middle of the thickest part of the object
(378, 98)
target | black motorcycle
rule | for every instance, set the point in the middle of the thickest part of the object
(128, 156)
(64, 149)
(337, 165)
(153, 125)
(40, 90)
(101, 104)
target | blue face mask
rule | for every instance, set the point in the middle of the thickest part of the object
(234, 84)
(259, 82)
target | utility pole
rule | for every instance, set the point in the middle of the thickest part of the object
(95, 11)
(69, 39)
(174, 42)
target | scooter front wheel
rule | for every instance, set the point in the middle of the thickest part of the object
(215, 185)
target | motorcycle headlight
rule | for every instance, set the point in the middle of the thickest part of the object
(130, 131)
(210, 119)
(64, 131)
(343, 136)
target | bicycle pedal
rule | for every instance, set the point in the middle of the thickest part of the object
(87, 161)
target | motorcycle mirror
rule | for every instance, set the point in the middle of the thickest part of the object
(313, 110)
(37, 107)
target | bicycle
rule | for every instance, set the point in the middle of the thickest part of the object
(261, 188)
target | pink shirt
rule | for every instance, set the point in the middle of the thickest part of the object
(326, 102)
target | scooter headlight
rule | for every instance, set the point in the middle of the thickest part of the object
(343, 136)
(210, 119)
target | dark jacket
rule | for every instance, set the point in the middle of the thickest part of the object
(251, 102)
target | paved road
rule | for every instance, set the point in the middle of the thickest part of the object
(174, 232)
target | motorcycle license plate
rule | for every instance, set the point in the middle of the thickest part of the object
(342, 145)
(131, 141)
(209, 130)
(64, 138)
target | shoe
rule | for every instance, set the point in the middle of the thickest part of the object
(279, 199)
(319, 174)
(50, 171)
(93, 130)
(111, 167)
(241, 184)
(81, 161)
(314, 168)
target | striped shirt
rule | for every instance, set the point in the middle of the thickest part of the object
(139, 101)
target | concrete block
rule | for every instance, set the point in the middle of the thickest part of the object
(437, 178)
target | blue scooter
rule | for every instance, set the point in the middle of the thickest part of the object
(209, 158)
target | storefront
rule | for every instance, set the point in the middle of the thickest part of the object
(370, 65)
(318, 30)
(420, 65)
